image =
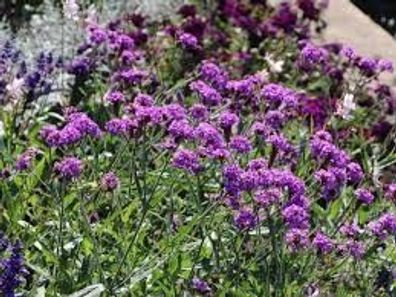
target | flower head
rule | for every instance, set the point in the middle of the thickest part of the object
(364, 196)
(109, 182)
(187, 160)
(69, 168)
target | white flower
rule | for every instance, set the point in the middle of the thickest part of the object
(15, 88)
(274, 66)
(348, 105)
(70, 9)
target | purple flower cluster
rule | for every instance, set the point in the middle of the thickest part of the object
(187, 160)
(241, 144)
(78, 126)
(121, 127)
(323, 243)
(109, 182)
(311, 57)
(278, 96)
(364, 196)
(24, 161)
(212, 74)
(69, 168)
(209, 95)
(188, 40)
(245, 219)
(201, 286)
(115, 97)
(338, 170)
(12, 268)
(390, 192)
(383, 226)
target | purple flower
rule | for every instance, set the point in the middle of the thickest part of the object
(350, 230)
(384, 226)
(385, 65)
(120, 127)
(257, 164)
(215, 153)
(174, 112)
(244, 87)
(187, 160)
(274, 93)
(80, 66)
(209, 96)
(5, 173)
(145, 115)
(327, 179)
(115, 97)
(210, 72)
(311, 57)
(109, 182)
(50, 135)
(131, 76)
(200, 286)
(245, 219)
(284, 18)
(364, 196)
(188, 40)
(297, 238)
(209, 136)
(120, 42)
(323, 243)
(354, 172)
(241, 144)
(181, 129)
(368, 66)
(295, 216)
(390, 192)
(354, 248)
(227, 120)
(250, 180)
(309, 9)
(69, 135)
(69, 168)
(280, 143)
(128, 57)
(323, 149)
(232, 178)
(187, 10)
(144, 100)
(274, 119)
(84, 124)
(261, 129)
(389, 222)
(266, 198)
(349, 53)
(199, 112)
(97, 35)
(12, 269)
(24, 161)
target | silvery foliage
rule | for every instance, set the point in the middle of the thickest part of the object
(50, 30)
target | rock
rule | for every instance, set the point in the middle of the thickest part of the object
(349, 25)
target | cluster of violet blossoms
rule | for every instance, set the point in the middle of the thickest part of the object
(78, 126)
(12, 268)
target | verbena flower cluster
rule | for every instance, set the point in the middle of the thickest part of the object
(220, 151)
